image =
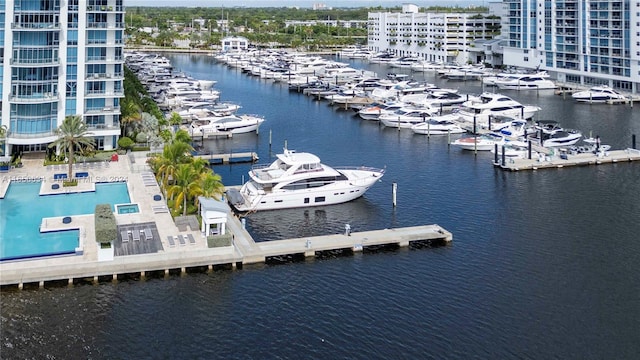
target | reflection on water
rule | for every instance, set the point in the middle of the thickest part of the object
(360, 213)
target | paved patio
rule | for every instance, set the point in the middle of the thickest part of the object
(143, 190)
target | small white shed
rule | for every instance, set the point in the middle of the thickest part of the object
(214, 216)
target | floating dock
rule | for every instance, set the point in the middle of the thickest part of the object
(229, 158)
(568, 160)
(244, 250)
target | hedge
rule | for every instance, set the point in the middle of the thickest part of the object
(105, 222)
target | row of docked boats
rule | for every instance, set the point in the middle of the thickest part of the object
(300, 179)
(514, 79)
(195, 101)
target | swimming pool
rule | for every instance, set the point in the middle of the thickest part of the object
(127, 208)
(22, 211)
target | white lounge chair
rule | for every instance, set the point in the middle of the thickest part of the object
(181, 240)
(171, 240)
(148, 235)
(192, 241)
(136, 235)
(125, 236)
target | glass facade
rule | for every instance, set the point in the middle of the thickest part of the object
(579, 39)
(63, 58)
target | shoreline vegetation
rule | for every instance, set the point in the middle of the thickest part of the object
(203, 28)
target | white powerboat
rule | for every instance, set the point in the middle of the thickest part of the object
(548, 133)
(514, 150)
(480, 143)
(301, 180)
(407, 117)
(598, 94)
(491, 104)
(526, 82)
(374, 111)
(438, 125)
(235, 124)
(205, 109)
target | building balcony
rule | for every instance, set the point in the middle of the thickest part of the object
(95, 128)
(34, 98)
(102, 42)
(19, 138)
(106, 110)
(100, 9)
(103, 59)
(103, 94)
(35, 26)
(35, 62)
(104, 76)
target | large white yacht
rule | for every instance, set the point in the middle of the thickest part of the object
(597, 94)
(526, 82)
(301, 180)
(235, 124)
(492, 104)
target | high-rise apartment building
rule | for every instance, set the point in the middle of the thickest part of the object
(438, 37)
(586, 42)
(60, 58)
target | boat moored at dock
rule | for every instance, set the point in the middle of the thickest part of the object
(301, 180)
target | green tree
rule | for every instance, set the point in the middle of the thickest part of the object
(72, 135)
(210, 185)
(185, 186)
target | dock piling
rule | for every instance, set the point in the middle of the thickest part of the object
(394, 190)
(633, 141)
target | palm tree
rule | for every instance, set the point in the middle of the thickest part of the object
(72, 134)
(185, 186)
(173, 154)
(130, 113)
(210, 185)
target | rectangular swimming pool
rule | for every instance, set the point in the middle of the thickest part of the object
(22, 211)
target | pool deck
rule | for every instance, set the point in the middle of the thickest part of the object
(138, 257)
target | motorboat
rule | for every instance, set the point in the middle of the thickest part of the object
(484, 142)
(526, 82)
(404, 62)
(300, 180)
(438, 125)
(549, 133)
(374, 111)
(514, 128)
(490, 80)
(493, 104)
(205, 109)
(407, 116)
(235, 124)
(598, 94)
(437, 98)
(514, 150)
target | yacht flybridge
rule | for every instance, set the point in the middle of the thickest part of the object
(301, 180)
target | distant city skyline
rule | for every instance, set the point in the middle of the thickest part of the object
(301, 3)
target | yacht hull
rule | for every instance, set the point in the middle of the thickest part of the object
(248, 198)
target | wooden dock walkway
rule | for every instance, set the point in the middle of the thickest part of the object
(229, 158)
(76, 269)
(609, 157)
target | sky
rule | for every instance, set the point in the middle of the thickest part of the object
(300, 3)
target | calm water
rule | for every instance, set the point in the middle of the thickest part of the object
(543, 264)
